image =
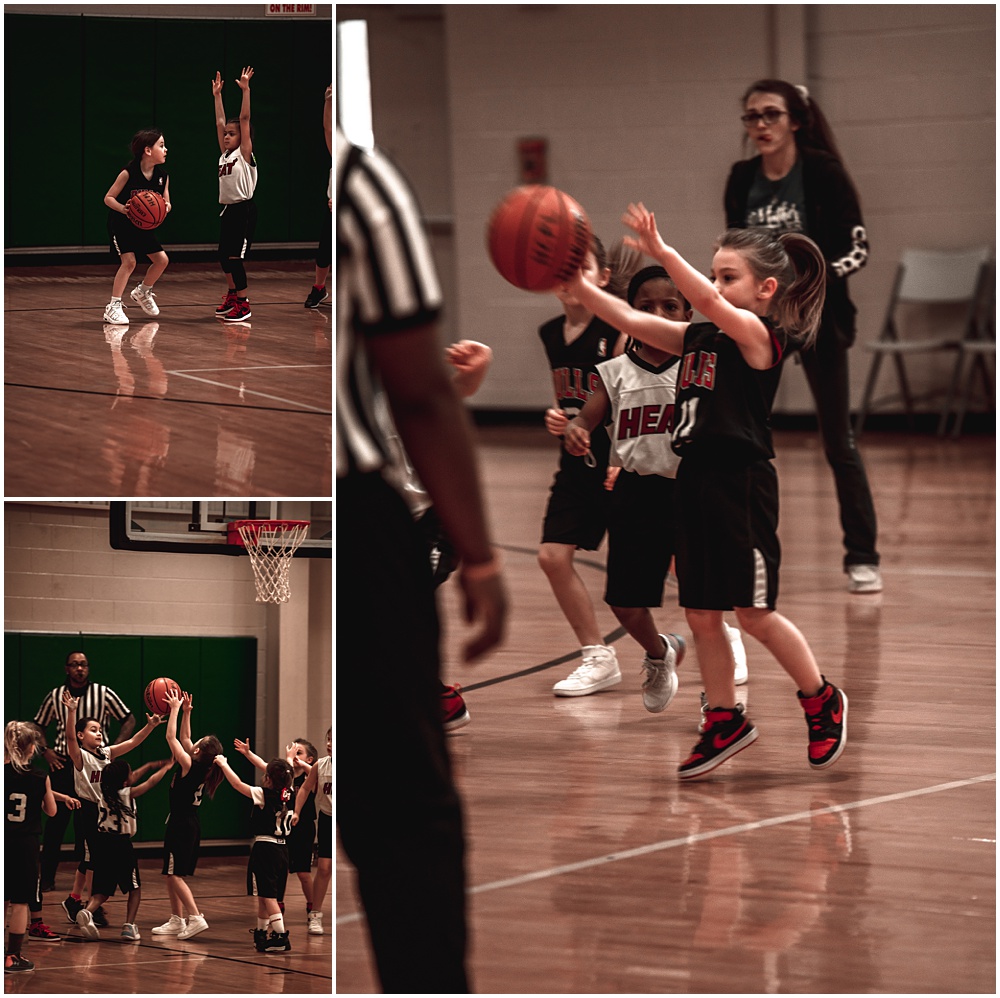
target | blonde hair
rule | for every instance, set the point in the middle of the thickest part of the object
(797, 264)
(20, 739)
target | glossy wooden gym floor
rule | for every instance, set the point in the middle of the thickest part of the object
(593, 870)
(179, 404)
(221, 960)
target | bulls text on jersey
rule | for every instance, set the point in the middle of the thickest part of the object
(698, 370)
(568, 383)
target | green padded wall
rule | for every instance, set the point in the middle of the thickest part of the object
(68, 129)
(220, 673)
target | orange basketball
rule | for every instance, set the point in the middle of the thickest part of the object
(538, 237)
(146, 209)
(156, 691)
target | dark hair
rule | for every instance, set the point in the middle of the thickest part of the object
(113, 778)
(82, 722)
(309, 747)
(236, 121)
(146, 137)
(83, 653)
(210, 748)
(650, 274)
(797, 264)
(280, 775)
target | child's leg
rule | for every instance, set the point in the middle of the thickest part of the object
(17, 919)
(306, 883)
(226, 269)
(715, 656)
(125, 269)
(556, 561)
(639, 623)
(132, 908)
(321, 275)
(81, 882)
(184, 898)
(176, 908)
(786, 643)
(95, 902)
(157, 265)
(321, 881)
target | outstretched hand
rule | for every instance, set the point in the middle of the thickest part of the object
(244, 80)
(217, 83)
(642, 222)
(242, 747)
(70, 701)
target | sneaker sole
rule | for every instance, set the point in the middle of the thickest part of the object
(706, 767)
(458, 722)
(183, 937)
(843, 741)
(604, 684)
(237, 318)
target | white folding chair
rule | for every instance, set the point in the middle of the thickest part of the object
(951, 277)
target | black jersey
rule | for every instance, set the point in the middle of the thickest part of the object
(308, 812)
(723, 406)
(137, 182)
(185, 791)
(266, 814)
(24, 791)
(574, 365)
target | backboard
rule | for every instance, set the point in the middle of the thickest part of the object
(200, 526)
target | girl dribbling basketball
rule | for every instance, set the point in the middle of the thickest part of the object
(145, 172)
(237, 181)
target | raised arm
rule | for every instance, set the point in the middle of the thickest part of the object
(220, 111)
(308, 787)
(246, 143)
(244, 749)
(120, 748)
(72, 745)
(142, 788)
(177, 750)
(187, 705)
(234, 781)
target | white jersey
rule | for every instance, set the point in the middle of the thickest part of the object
(642, 409)
(87, 781)
(237, 177)
(123, 825)
(324, 784)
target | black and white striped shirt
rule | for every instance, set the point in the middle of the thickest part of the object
(386, 283)
(100, 702)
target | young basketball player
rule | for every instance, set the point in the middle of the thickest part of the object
(196, 777)
(90, 756)
(28, 792)
(145, 172)
(115, 864)
(267, 868)
(237, 181)
(301, 756)
(766, 293)
(320, 782)
(324, 252)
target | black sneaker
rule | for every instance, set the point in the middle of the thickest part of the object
(16, 964)
(724, 733)
(259, 939)
(100, 918)
(72, 907)
(277, 942)
(316, 295)
(826, 715)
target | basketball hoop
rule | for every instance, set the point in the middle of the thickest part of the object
(270, 544)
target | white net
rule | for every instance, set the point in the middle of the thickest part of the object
(271, 545)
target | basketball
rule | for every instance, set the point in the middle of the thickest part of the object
(155, 693)
(538, 237)
(146, 209)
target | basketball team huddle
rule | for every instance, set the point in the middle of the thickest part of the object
(291, 815)
(139, 201)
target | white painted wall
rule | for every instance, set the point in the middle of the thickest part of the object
(641, 101)
(62, 577)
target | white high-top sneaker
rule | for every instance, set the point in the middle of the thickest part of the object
(598, 671)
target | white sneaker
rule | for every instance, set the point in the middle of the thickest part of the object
(114, 312)
(145, 299)
(195, 924)
(315, 923)
(171, 927)
(598, 671)
(864, 579)
(660, 684)
(741, 673)
(130, 932)
(86, 922)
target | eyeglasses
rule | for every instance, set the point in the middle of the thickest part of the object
(769, 117)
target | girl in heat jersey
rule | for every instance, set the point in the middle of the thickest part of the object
(237, 182)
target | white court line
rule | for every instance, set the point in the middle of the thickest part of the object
(750, 826)
(241, 391)
(257, 367)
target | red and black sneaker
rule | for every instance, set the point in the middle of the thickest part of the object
(239, 311)
(724, 732)
(228, 303)
(39, 930)
(453, 709)
(826, 715)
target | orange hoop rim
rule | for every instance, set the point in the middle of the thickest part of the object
(254, 527)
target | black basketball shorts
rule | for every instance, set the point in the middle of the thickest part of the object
(181, 843)
(115, 865)
(126, 238)
(267, 870)
(22, 879)
(300, 845)
(578, 507)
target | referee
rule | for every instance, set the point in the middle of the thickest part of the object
(398, 811)
(97, 701)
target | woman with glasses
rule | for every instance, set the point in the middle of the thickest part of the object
(797, 182)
